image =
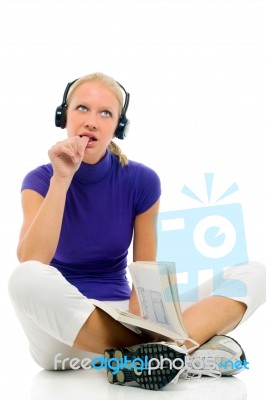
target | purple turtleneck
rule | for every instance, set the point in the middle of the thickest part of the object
(102, 203)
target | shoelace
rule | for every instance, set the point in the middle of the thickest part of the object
(182, 348)
(190, 373)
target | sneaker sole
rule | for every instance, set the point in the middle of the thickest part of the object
(156, 379)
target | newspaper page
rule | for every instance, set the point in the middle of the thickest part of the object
(151, 281)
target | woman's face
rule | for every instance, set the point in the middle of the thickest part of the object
(93, 111)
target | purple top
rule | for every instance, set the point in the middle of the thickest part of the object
(101, 205)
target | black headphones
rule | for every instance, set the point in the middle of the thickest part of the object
(123, 123)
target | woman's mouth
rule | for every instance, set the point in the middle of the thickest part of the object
(92, 139)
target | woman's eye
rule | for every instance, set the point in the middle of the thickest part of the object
(82, 108)
(106, 113)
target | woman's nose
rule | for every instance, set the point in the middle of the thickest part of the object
(91, 122)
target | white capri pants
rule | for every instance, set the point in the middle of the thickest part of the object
(52, 311)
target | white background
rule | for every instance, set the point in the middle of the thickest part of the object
(196, 72)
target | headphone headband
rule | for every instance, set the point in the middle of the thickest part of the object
(123, 123)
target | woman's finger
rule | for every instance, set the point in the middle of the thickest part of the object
(82, 144)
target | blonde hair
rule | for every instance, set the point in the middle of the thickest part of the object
(111, 84)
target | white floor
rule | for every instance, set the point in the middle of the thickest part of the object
(21, 379)
(79, 385)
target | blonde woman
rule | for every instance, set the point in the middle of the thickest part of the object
(80, 213)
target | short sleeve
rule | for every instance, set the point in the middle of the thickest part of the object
(148, 189)
(38, 179)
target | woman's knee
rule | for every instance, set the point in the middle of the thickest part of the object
(252, 277)
(25, 280)
(258, 269)
(251, 271)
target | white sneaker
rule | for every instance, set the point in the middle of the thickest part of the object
(221, 355)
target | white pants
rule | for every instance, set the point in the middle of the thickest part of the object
(52, 311)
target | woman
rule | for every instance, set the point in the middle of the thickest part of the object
(80, 212)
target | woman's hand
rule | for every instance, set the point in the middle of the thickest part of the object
(66, 156)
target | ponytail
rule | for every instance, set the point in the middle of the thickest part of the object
(114, 149)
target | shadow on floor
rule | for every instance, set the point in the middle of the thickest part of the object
(88, 384)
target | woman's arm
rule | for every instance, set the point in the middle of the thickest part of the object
(43, 217)
(42, 221)
(144, 245)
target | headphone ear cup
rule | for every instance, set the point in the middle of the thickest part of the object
(122, 127)
(60, 117)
